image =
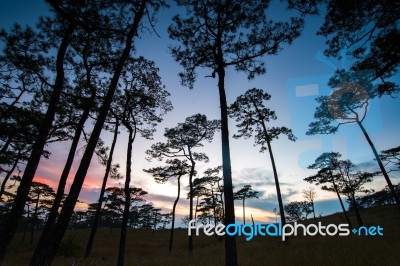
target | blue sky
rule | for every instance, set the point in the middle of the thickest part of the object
(294, 78)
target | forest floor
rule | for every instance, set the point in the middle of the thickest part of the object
(150, 248)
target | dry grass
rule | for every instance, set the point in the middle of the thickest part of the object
(150, 248)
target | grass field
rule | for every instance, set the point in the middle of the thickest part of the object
(150, 248)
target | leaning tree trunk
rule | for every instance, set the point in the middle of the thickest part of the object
(230, 241)
(383, 170)
(278, 189)
(50, 249)
(14, 217)
(171, 234)
(102, 191)
(127, 205)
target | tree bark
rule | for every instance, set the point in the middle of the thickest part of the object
(53, 242)
(14, 217)
(102, 191)
(383, 170)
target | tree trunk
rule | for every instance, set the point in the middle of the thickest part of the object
(127, 205)
(171, 234)
(14, 217)
(356, 210)
(278, 190)
(383, 170)
(193, 163)
(102, 191)
(230, 241)
(341, 203)
(54, 239)
(244, 214)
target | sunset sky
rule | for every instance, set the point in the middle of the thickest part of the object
(294, 78)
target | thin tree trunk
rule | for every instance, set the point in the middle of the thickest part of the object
(54, 239)
(171, 234)
(230, 241)
(9, 173)
(193, 163)
(341, 203)
(127, 205)
(383, 170)
(244, 214)
(14, 217)
(102, 191)
(356, 210)
(278, 189)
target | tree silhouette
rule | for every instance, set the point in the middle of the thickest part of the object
(181, 142)
(347, 104)
(327, 163)
(309, 195)
(175, 168)
(245, 193)
(296, 210)
(252, 116)
(352, 183)
(140, 108)
(216, 35)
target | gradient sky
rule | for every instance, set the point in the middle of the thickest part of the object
(294, 78)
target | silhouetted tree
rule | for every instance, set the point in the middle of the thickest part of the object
(216, 35)
(353, 182)
(347, 104)
(252, 116)
(245, 193)
(175, 168)
(181, 142)
(327, 163)
(297, 210)
(309, 195)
